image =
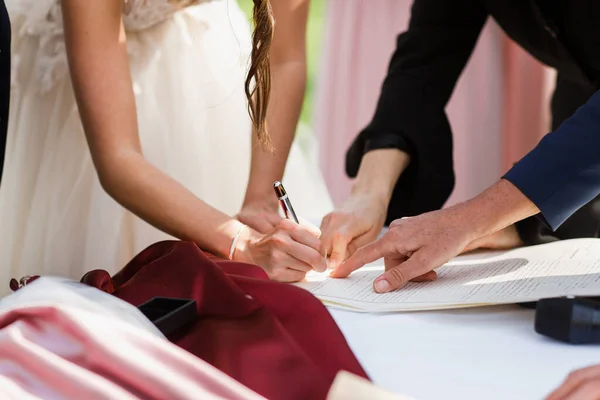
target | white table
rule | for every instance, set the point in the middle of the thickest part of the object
(481, 353)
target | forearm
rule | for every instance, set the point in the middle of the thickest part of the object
(288, 84)
(287, 94)
(556, 178)
(378, 173)
(167, 205)
(496, 208)
(423, 70)
(96, 49)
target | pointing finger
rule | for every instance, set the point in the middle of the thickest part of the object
(359, 242)
(362, 256)
(338, 249)
(399, 275)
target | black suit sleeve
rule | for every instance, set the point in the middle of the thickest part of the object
(410, 115)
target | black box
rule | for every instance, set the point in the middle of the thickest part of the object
(573, 320)
(169, 314)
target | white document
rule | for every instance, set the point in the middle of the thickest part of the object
(562, 268)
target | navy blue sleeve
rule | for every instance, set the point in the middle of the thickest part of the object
(562, 173)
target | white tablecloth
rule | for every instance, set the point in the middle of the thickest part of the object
(481, 353)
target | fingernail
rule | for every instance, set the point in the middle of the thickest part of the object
(334, 273)
(382, 286)
(325, 264)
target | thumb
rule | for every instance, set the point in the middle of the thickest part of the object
(398, 276)
(338, 250)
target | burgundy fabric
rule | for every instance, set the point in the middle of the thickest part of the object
(275, 338)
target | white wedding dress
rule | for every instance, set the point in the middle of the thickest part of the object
(188, 68)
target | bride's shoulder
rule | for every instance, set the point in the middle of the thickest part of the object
(43, 19)
(137, 14)
(142, 14)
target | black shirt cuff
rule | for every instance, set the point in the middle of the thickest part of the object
(387, 141)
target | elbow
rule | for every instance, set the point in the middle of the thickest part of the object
(108, 180)
(290, 71)
(116, 173)
(288, 52)
(289, 60)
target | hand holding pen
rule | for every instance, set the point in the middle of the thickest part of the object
(290, 250)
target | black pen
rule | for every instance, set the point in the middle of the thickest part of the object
(284, 200)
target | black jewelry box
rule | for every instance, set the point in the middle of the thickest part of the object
(169, 314)
(573, 320)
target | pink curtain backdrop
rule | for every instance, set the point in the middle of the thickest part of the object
(526, 107)
(498, 111)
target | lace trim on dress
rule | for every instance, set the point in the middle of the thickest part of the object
(143, 14)
(43, 18)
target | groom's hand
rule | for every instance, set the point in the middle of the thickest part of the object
(356, 223)
(412, 248)
(360, 219)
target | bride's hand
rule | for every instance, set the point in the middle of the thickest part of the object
(287, 253)
(263, 216)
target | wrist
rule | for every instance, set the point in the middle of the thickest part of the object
(261, 194)
(235, 240)
(264, 200)
(376, 191)
(242, 252)
(379, 172)
(472, 217)
(496, 208)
